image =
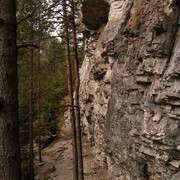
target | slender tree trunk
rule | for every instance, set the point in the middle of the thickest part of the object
(31, 76)
(39, 122)
(31, 163)
(70, 92)
(10, 167)
(77, 105)
(39, 108)
(39, 94)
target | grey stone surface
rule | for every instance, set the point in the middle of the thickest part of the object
(130, 89)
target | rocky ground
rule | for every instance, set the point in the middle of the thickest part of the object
(57, 159)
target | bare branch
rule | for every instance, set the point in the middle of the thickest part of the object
(27, 46)
(27, 17)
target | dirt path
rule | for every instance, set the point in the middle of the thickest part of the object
(57, 159)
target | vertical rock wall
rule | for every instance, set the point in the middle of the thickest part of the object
(130, 86)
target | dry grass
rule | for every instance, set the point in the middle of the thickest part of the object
(153, 6)
(135, 20)
(156, 6)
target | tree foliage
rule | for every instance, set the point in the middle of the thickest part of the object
(40, 30)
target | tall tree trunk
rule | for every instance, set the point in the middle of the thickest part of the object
(70, 92)
(31, 164)
(10, 167)
(77, 84)
(31, 77)
(39, 108)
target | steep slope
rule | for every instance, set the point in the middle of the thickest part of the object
(130, 86)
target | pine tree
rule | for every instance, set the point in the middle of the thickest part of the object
(76, 99)
(70, 90)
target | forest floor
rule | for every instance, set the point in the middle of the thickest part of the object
(57, 162)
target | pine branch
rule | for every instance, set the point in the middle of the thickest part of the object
(27, 46)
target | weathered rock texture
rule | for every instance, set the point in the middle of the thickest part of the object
(130, 86)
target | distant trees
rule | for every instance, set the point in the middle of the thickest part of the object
(34, 25)
(9, 125)
(42, 75)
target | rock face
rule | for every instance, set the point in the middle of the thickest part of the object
(130, 87)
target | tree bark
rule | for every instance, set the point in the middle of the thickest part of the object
(70, 92)
(76, 102)
(10, 168)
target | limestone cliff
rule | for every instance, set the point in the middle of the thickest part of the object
(130, 86)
